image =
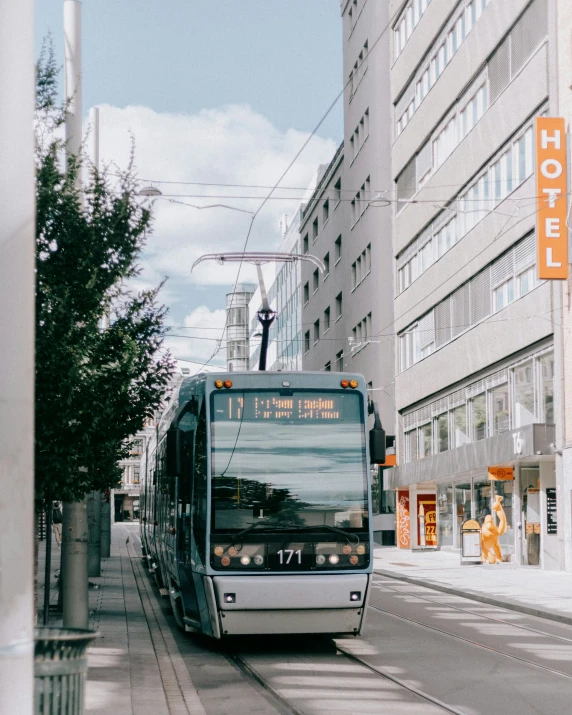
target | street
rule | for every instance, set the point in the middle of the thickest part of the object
(422, 652)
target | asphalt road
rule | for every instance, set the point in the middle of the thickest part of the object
(422, 652)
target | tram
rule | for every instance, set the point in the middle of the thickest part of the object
(256, 503)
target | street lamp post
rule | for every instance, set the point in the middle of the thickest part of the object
(266, 315)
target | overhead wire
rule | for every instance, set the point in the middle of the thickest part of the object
(276, 185)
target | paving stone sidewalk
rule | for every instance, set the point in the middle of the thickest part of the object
(135, 667)
(526, 589)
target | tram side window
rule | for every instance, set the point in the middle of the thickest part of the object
(200, 484)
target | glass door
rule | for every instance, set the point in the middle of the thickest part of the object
(445, 509)
(462, 507)
(529, 494)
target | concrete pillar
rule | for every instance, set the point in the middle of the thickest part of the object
(17, 257)
(94, 534)
(74, 565)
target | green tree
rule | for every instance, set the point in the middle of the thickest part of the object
(94, 386)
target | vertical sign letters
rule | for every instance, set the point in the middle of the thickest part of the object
(552, 233)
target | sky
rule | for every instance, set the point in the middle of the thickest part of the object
(218, 92)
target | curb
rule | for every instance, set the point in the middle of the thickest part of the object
(476, 596)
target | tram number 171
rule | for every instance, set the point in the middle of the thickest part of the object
(285, 555)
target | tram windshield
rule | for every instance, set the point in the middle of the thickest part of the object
(296, 459)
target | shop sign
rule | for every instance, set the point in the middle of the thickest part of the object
(551, 172)
(427, 520)
(403, 520)
(501, 474)
(551, 522)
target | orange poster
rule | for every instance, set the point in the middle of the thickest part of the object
(427, 508)
(551, 198)
(403, 519)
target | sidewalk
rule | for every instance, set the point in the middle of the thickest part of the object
(135, 666)
(530, 590)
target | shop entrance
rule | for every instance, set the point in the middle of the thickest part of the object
(530, 516)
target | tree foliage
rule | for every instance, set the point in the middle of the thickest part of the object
(95, 385)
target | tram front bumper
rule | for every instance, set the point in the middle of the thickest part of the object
(291, 603)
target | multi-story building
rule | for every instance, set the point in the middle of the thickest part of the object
(478, 338)
(282, 284)
(237, 350)
(347, 313)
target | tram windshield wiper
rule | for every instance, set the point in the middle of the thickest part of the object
(259, 524)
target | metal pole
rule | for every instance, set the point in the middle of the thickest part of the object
(17, 256)
(72, 67)
(94, 534)
(106, 524)
(48, 564)
(74, 537)
(74, 565)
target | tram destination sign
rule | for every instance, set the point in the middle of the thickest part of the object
(297, 408)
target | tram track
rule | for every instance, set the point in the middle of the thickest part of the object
(477, 614)
(490, 649)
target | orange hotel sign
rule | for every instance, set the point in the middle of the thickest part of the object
(551, 197)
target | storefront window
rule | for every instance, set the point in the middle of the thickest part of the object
(524, 394)
(479, 413)
(482, 500)
(462, 504)
(443, 432)
(547, 386)
(500, 403)
(460, 433)
(425, 441)
(445, 508)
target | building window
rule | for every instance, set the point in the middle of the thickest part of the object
(460, 434)
(328, 367)
(337, 192)
(479, 417)
(523, 377)
(443, 432)
(307, 341)
(500, 409)
(315, 230)
(340, 361)
(305, 246)
(425, 441)
(315, 280)
(316, 331)
(338, 248)
(547, 387)
(411, 446)
(326, 265)
(339, 306)
(136, 476)
(326, 212)
(306, 293)
(327, 319)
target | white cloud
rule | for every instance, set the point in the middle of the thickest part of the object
(203, 327)
(230, 145)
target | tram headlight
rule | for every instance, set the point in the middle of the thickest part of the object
(334, 559)
(353, 384)
(225, 561)
(320, 559)
(218, 384)
(347, 549)
(354, 560)
(245, 560)
(360, 549)
(218, 550)
(259, 559)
